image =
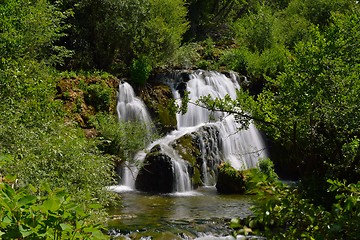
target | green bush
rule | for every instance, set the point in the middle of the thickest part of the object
(44, 213)
(100, 96)
(59, 155)
(140, 71)
(266, 166)
(283, 213)
(121, 139)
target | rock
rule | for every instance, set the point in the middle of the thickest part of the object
(160, 102)
(156, 175)
(230, 180)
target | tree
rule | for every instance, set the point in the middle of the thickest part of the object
(109, 34)
(29, 29)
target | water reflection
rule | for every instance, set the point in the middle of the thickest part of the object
(184, 216)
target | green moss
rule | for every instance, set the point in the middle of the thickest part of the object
(230, 180)
(196, 178)
(159, 99)
(187, 149)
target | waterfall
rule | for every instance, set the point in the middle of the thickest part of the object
(241, 148)
(129, 107)
(217, 134)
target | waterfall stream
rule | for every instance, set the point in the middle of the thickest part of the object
(222, 142)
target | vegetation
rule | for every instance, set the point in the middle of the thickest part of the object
(301, 59)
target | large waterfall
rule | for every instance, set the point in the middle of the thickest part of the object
(216, 135)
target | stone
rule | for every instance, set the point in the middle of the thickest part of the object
(156, 174)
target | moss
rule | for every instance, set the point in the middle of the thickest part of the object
(159, 99)
(196, 178)
(187, 149)
(230, 180)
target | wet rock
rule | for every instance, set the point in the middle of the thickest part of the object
(156, 174)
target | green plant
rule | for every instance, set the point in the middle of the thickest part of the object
(282, 212)
(59, 155)
(43, 213)
(266, 166)
(99, 95)
(140, 70)
(121, 139)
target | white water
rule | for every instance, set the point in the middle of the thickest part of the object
(241, 148)
(129, 107)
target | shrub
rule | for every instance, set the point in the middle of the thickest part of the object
(59, 155)
(43, 213)
(122, 139)
(140, 70)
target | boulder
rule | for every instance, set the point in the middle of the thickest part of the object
(156, 174)
(160, 101)
(230, 180)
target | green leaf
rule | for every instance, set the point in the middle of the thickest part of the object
(66, 227)
(96, 206)
(26, 200)
(25, 232)
(51, 204)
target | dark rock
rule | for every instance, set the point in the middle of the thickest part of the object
(156, 175)
(230, 180)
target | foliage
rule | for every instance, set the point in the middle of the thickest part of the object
(43, 213)
(319, 104)
(59, 155)
(186, 56)
(266, 166)
(121, 139)
(110, 34)
(100, 96)
(285, 214)
(29, 29)
(140, 70)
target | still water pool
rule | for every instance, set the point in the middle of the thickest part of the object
(200, 214)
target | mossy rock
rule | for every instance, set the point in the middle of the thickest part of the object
(159, 99)
(188, 149)
(230, 180)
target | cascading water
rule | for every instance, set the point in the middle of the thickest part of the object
(129, 107)
(241, 148)
(220, 141)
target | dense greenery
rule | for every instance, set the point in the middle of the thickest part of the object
(301, 59)
(43, 213)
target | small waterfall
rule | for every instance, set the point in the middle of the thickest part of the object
(129, 107)
(241, 148)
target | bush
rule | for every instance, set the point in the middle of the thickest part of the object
(266, 166)
(121, 139)
(100, 96)
(59, 155)
(286, 214)
(140, 71)
(43, 213)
